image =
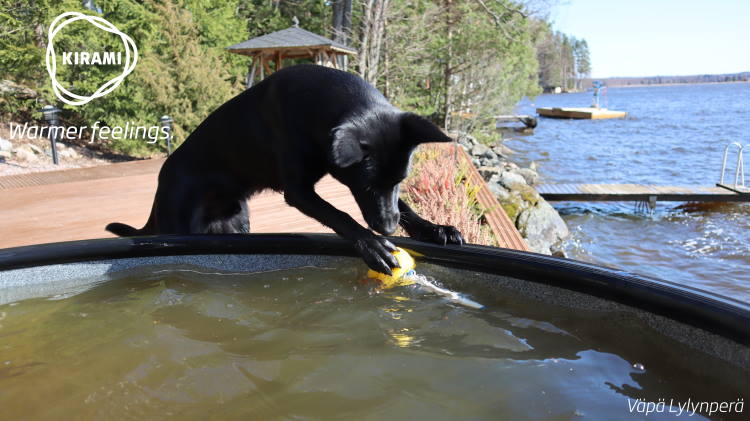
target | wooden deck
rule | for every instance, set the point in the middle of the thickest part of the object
(77, 204)
(580, 113)
(637, 192)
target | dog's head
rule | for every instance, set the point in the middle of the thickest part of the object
(370, 154)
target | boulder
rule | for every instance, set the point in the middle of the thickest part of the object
(8, 88)
(488, 171)
(531, 176)
(511, 179)
(542, 227)
(24, 153)
(69, 153)
(488, 162)
(5, 145)
(36, 149)
(497, 189)
(479, 149)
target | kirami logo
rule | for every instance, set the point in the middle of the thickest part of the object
(84, 57)
(88, 58)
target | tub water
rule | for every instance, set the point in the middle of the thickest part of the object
(189, 342)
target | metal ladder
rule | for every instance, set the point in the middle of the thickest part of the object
(739, 171)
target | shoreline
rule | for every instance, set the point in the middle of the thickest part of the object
(677, 84)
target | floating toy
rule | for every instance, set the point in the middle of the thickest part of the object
(405, 275)
(398, 278)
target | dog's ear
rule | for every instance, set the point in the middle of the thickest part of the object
(345, 148)
(417, 129)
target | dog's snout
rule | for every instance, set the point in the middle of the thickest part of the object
(390, 224)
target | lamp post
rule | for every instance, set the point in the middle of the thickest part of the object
(166, 121)
(51, 115)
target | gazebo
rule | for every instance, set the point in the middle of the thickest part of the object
(290, 43)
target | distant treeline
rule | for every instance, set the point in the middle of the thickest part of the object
(661, 80)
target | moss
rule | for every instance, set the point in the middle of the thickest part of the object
(512, 210)
(528, 194)
(513, 206)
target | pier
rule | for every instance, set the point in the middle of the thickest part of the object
(640, 192)
(588, 113)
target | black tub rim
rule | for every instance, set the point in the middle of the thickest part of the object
(712, 312)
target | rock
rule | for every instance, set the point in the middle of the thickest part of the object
(8, 88)
(24, 153)
(542, 227)
(488, 162)
(69, 153)
(476, 162)
(466, 142)
(533, 165)
(529, 175)
(511, 179)
(479, 149)
(488, 171)
(499, 191)
(36, 149)
(503, 150)
(5, 145)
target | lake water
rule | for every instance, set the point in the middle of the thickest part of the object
(673, 135)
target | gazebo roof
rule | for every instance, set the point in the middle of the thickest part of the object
(289, 38)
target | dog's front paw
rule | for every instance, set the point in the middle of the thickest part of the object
(440, 234)
(376, 251)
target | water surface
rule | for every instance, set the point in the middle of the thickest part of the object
(319, 343)
(674, 135)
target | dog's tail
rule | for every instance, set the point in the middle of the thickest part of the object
(124, 230)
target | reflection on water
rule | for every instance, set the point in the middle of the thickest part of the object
(320, 344)
(674, 135)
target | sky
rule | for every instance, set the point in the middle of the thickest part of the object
(659, 37)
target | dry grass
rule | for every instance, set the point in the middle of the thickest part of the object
(439, 191)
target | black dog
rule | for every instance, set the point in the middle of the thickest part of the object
(285, 134)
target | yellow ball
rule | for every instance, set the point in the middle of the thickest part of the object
(389, 281)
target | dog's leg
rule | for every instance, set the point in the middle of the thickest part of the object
(375, 250)
(424, 230)
(230, 219)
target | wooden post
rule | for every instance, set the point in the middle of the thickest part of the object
(262, 68)
(278, 60)
(266, 66)
(251, 76)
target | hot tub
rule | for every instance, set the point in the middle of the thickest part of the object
(287, 326)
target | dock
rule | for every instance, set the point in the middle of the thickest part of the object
(588, 113)
(528, 121)
(640, 192)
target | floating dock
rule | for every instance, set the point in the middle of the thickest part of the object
(639, 192)
(588, 113)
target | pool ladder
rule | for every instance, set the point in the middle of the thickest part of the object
(739, 171)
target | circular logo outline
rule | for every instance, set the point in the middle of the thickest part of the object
(51, 58)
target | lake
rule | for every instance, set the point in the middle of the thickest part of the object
(673, 135)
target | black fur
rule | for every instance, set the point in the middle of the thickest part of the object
(285, 134)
